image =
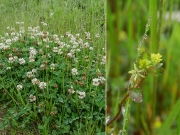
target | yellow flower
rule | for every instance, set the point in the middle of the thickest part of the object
(156, 58)
(144, 63)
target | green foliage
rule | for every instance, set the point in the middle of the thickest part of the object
(55, 83)
(170, 119)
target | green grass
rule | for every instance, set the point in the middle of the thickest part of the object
(70, 102)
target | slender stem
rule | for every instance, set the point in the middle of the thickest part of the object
(153, 48)
(160, 21)
(126, 115)
(119, 111)
(122, 102)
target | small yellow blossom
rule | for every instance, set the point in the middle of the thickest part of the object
(157, 123)
(156, 58)
(144, 63)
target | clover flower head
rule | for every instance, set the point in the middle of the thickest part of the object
(11, 60)
(52, 66)
(22, 61)
(144, 63)
(30, 74)
(156, 58)
(71, 90)
(32, 98)
(19, 87)
(96, 82)
(81, 94)
(35, 81)
(42, 85)
(74, 71)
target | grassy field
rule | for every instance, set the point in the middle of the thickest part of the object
(159, 112)
(52, 67)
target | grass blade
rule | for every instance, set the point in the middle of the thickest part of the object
(170, 119)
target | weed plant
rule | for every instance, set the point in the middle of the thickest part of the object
(52, 84)
(158, 114)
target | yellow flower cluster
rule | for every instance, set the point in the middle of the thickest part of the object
(145, 63)
(156, 58)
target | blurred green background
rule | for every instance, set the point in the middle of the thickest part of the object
(159, 113)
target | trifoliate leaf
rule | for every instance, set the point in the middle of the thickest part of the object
(135, 96)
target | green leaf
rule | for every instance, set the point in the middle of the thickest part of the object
(164, 130)
(135, 96)
(159, 65)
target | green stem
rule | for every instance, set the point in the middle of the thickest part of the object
(126, 116)
(160, 21)
(153, 49)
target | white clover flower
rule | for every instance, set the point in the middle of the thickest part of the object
(103, 60)
(91, 48)
(15, 58)
(86, 45)
(15, 39)
(32, 52)
(6, 47)
(77, 34)
(78, 50)
(32, 98)
(34, 81)
(13, 33)
(57, 40)
(30, 29)
(30, 74)
(2, 45)
(34, 70)
(74, 71)
(52, 66)
(71, 91)
(49, 55)
(96, 82)
(42, 66)
(22, 61)
(11, 60)
(10, 55)
(69, 55)
(88, 35)
(19, 87)
(21, 30)
(44, 24)
(42, 85)
(97, 35)
(8, 68)
(8, 41)
(31, 59)
(101, 78)
(55, 49)
(55, 36)
(81, 94)
(59, 51)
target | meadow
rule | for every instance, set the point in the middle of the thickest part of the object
(151, 28)
(52, 67)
